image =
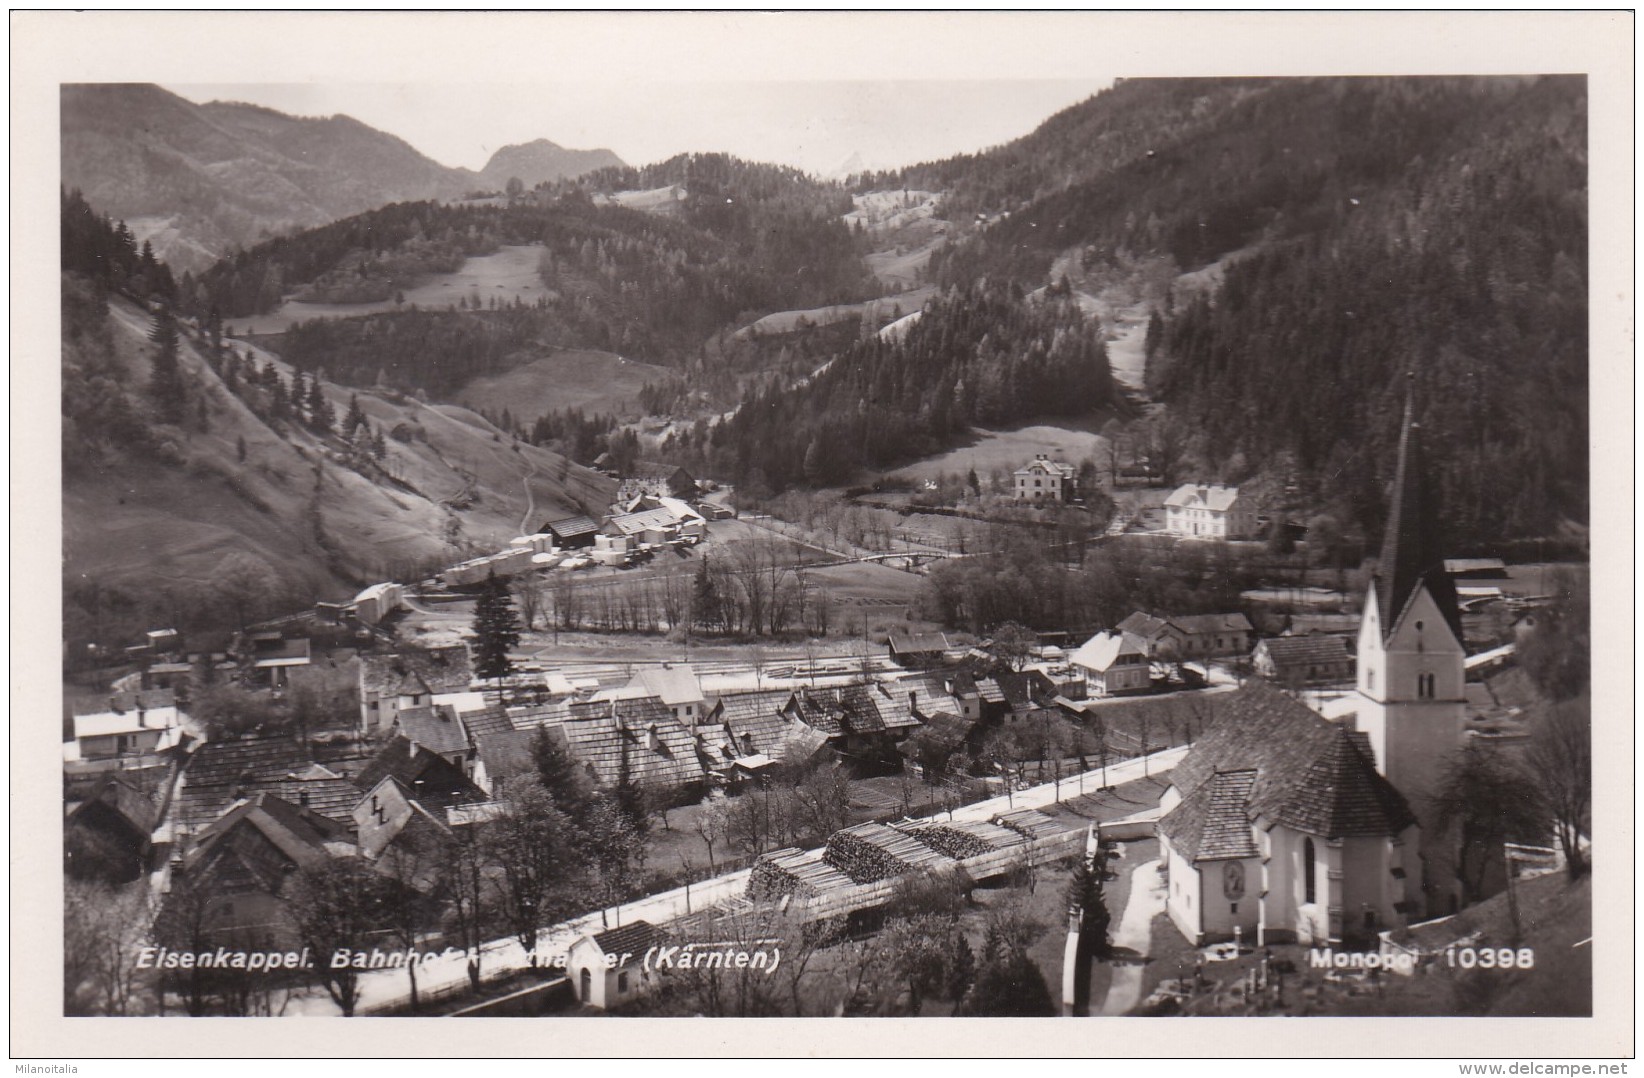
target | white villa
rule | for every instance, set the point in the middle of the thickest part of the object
(1046, 479)
(1213, 512)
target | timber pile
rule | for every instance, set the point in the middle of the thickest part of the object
(1030, 823)
(793, 871)
(870, 852)
(966, 838)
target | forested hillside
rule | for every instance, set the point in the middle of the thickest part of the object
(1376, 226)
(985, 354)
(205, 482)
(653, 286)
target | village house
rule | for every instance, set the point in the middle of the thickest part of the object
(1113, 664)
(270, 656)
(377, 602)
(1204, 636)
(409, 678)
(861, 724)
(437, 728)
(110, 835)
(233, 884)
(503, 757)
(1318, 659)
(433, 780)
(1276, 824)
(391, 814)
(636, 741)
(134, 726)
(608, 968)
(1209, 512)
(1046, 480)
(677, 687)
(571, 533)
(917, 651)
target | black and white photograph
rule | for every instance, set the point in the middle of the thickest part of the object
(634, 538)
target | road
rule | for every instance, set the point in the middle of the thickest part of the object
(385, 990)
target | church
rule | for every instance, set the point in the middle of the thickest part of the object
(1287, 826)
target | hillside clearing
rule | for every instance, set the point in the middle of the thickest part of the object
(507, 275)
(1010, 450)
(596, 382)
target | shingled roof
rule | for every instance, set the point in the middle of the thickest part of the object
(417, 670)
(642, 736)
(633, 938)
(1214, 826)
(1196, 624)
(434, 728)
(1318, 648)
(441, 782)
(1308, 773)
(846, 709)
(221, 772)
(251, 845)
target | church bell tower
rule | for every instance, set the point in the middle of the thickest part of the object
(1411, 667)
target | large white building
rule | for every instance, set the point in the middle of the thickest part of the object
(1288, 826)
(1046, 480)
(1212, 512)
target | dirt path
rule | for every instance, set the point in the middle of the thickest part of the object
(1147, 900)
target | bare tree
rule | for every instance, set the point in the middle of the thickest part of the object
(533, 843)
(104, 930)
(711, 823)
(1561, 758)
(338, 906)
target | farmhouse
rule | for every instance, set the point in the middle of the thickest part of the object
(1210, 512)
(571, 533)
(409, 678)
(1304, 660)
(1046, 480)
(131, 728)
(1114, 663)
(917, 651)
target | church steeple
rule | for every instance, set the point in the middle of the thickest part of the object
(1411, 554)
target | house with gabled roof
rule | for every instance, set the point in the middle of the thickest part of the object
(390, 815)
(437, 728)
(917, 651)
(1319, 659)
(1113, 664)
(109, 836)
(239, 871)
(502, 757)
(411, 677)
(1043, 479)
(677, 686)
(634, 740)
(571, 533)
(1210, 512)
(432, 779)
(1277, 824)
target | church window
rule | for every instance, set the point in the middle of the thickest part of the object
(1370, 679)
(1308, 873)
(1426, 686)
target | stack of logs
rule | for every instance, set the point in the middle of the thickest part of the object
(870, 852)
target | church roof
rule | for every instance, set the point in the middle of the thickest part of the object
(1411, 553)
(1308, 773)
(1214, 826)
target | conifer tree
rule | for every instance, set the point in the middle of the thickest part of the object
(166, 380)
(355, 418)
(496, 630)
